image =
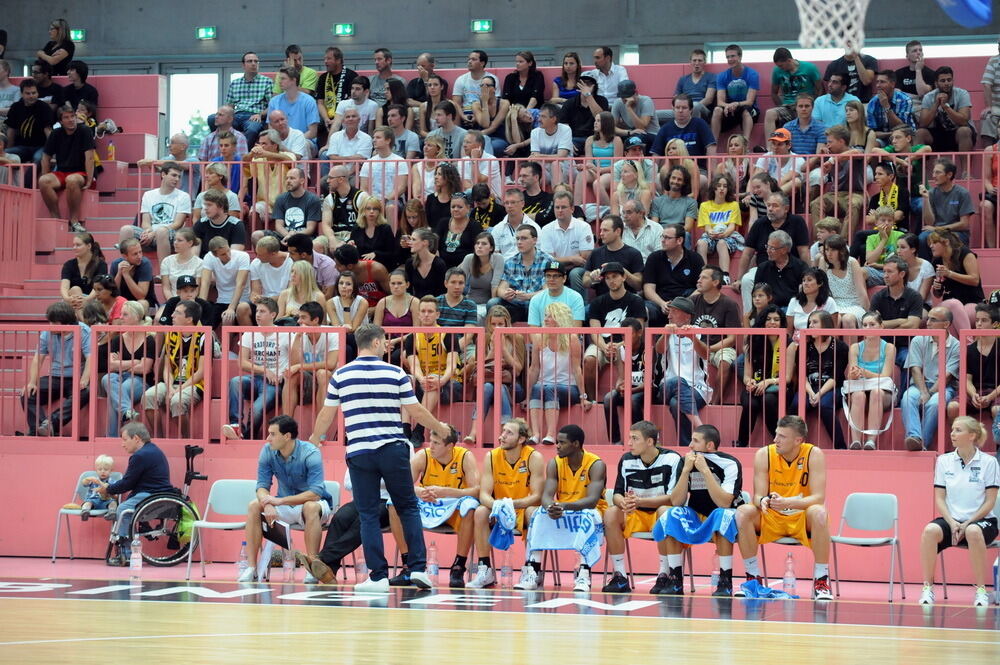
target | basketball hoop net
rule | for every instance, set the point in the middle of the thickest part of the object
(832, 23)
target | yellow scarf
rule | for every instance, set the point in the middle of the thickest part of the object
(892, 199)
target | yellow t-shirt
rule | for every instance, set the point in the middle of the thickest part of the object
(511, 481)
(450, 474)
(717, 217)
(572, 486)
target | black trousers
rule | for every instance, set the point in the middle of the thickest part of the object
(343, 536)
(58, 389)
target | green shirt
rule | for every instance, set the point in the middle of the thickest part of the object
(890, 247)
(802, 79)
(307, 80)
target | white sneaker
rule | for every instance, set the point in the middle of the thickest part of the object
(420, 580)
(231, 431)
(380, 586)
(582, 581)
(927, 595)
(528, 580)
(248, 575)
(982, 598)
(310, 578)
(485, 577)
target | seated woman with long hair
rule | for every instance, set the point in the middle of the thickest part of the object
(510, 364)
(813, 296)
(373, 237)
(422, 173)
(826, 362)
(302, 288)
(762, 376)
(601, 149)
(106, 294)
(958, 284)
(869, 385)
(130, 368)
(78, 273)
(483, 270)
(348, 308)
(555, 373)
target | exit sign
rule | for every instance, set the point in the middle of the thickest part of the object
(206, 32)
(78, 36)
(482, 25)
(343, 30)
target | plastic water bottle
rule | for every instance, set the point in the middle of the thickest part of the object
(788, 581)
(111, 151)
(432, 562)
(135, 560)
(360, 567)
(996, 580)
(506, 572)
(715, 570)
(241, 561)
(287, 566)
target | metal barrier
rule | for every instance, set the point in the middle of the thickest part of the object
(17, 228)
(18, 175)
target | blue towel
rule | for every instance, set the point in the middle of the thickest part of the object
(433, 514)
(684, 525)
(754, 589)
(580, 530)
(502, 534)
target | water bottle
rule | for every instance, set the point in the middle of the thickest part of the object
(506, 572)
(135, 560)
(996, 580)
(788, 581)
(715, 570)
(287, 566)
(360, 567)
(432, 562)
(241, 562)
(111, 151)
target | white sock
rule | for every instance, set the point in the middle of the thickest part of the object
(618, 561)
(751, 566)
(535, 556)
(664, 564)
(821, 570)
(675, 560)
(726, 562)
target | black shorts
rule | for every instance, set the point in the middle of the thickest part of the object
(987, 524)
(945, 140)
(736, 119)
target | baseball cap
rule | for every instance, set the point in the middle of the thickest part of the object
(589, 79)
(684, 304)
(635, 142)
(613, 266)
(626, 88)
(185, 281)
(555, 266)
(781, 134)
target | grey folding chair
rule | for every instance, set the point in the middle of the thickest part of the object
(227, 498)
(871, 512)
(66, 513)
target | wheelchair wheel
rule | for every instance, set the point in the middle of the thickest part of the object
(163, 523)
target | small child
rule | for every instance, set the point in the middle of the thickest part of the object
(881, 245)
(826, 227)
(103, 465)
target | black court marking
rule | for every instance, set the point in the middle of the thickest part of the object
(542, 602)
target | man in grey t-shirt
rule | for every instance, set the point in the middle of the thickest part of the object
(383, 72)
(676, 206)
(945, 116)
(634, 114)
(450, 133)
(945, 207)
(296, 210)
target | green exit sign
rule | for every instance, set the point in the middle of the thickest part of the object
(482, 25)
(78, 36)
(343, 30)
(206, 32)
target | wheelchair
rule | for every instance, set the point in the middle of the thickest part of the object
(162, 521)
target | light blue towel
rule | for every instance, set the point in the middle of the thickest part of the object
(580, 530)
(502, 534)
(684, 525)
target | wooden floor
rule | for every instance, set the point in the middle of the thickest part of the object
(42, 630)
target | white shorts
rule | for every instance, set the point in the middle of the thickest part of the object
(293, 514)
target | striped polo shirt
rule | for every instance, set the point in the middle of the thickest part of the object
(370, 392)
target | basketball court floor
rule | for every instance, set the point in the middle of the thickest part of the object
(87, 613)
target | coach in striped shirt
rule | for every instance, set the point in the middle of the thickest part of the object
(371, 392)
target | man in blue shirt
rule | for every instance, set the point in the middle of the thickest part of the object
(736, 95)
(695, 132)
(699, 85)
(302, 498)
(148, 473)
(828, 109)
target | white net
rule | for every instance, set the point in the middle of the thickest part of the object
(832, 23)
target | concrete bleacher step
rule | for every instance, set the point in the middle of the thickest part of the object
(129, 146)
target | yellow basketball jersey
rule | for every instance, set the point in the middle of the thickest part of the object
(431, 353)
(572, 485)
(788, 479)
(510, 481)
(450, 474)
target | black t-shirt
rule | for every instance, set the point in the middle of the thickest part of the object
(416, 89)
(952, 288)
(907, 82)
(728, 473)
(436, 211)
(71, 271)
(70, 150)
(579, 117)
(672, 281)
(432, 285)
(629, 257)
(539, 208)
(784, 281)
(889, 308)
(73, 95)
(656, 479)
(341, 84)
(489, 216)
(793, 225)
(381, 243)
(232, 230)
(610, 312)
(723, 313)
(51, 94)
(62, 67)
(453, 248)
(902, 203)
(984, 370)
(850, 71)
(296, 212)
(825, 365)
(30, 122)
(145, 350)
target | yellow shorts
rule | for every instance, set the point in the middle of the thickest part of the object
(774, 525)
(455, 521)
(638, 521)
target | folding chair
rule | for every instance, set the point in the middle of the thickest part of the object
(871, 512)
(76, 512)
(995, 545)
(226, 498)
